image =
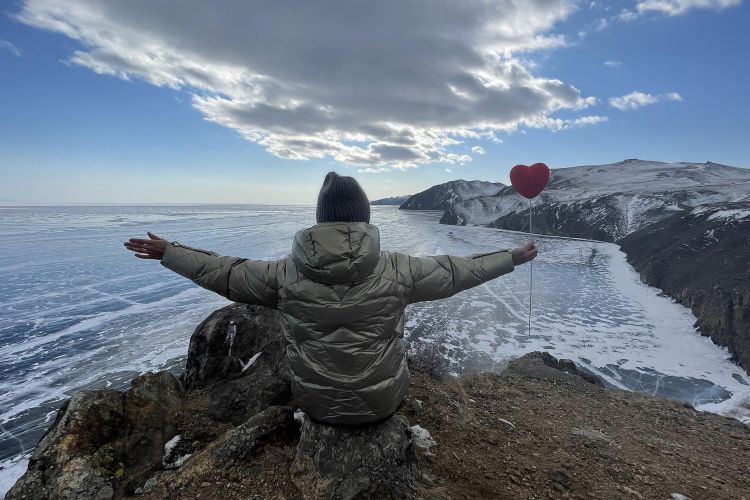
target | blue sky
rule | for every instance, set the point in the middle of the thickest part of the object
(102, 102)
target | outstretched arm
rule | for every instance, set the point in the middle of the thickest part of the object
(433, 278)
(241, 280)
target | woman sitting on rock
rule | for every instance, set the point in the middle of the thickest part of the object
(341, 300)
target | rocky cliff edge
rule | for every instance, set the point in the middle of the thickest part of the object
(227, 429)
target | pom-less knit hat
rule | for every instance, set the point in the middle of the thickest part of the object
(341, 199)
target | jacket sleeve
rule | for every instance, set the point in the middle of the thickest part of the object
(433, 278)
(241, 280)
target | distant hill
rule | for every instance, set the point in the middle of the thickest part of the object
(607, 202)
(442, 196)
(395, 200)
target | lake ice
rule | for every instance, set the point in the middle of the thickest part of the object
(78, 311)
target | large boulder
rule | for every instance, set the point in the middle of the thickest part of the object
(103, 440)
(543, 365)
(355, 461)
(238, 354)
(223, 344)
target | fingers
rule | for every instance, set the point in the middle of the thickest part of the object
(146, 256)
(152, 238)
(143, 251)
(131, 244)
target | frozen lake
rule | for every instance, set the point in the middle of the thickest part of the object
(78, 311)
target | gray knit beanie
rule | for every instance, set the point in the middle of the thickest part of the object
(341, 199)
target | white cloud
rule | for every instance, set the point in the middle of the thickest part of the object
(587, 120)
(613, 64)
(601, 23)
(678, 7)
(10, 47)
(370, 170)
(672, 7)
(368, 84)
(635, 100)
(626, 16)
(478, 150)
(448, 170)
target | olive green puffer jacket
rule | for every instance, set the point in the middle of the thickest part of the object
(341, 302)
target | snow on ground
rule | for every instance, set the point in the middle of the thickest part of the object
(422, 437)
(169, 445)
(733, 214)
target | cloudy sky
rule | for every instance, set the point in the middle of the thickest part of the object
(243, 101)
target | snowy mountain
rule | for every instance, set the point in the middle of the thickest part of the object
(607, 202)
(395, 200)
(442, 196)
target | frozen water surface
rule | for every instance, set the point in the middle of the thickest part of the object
(79, 312)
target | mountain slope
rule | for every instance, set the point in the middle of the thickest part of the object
(444, 195)
(394, 200)
(700, 258)
(614, 199)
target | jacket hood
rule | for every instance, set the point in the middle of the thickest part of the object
(337, 252)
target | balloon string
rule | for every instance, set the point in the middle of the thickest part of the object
(531, 271)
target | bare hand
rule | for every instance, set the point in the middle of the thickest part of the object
(524, 254)
(152, 248)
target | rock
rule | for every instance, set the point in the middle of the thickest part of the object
(95, 433)
(240, 399)
(559, 476)
(225, 341)
(70, 461)
(148, 404)
(422, 438)
(594, 438)
(238, 352)
(543, 365)
(354, 461)
(241, 445)
(105, 493)
(275, 424)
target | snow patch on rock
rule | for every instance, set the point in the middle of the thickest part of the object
(422, 437)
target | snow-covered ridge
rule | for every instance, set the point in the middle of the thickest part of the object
(628, 194)
(718, 213)
(442, 196)
(393, 200)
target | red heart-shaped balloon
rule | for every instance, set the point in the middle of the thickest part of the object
(529, 181)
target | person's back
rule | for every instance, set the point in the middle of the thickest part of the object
(341, 301)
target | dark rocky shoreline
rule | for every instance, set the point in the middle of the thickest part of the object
(228, 429)
(703, 262)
